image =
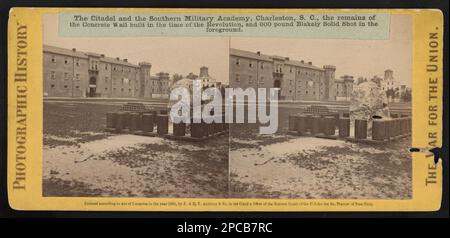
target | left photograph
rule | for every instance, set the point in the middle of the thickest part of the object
(107, 125)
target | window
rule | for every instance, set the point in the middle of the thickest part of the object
(306, 91)
(250, 79)
(77, 76)
(77, 86)
(65, 61)
(250, 64)
(106, 79)
(237, 78)
(77, 63)
(66, 76)
(52, 75)
(65, 86)
(53, 59)
(278, 69)
(121, 89)
(52, 86)
(106, 89)
(106, 67)
(262, 65)
(237, 62)
(261, 80)
(290, 69)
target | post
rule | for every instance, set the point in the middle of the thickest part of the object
(308, 123)
(196, 130)
(409, 126)
(111, 119)
(163, 124)
(179, 129)
(360, 129)
(344, 127)
(147, 122)
(397, 124)
(120, 121)
(328, 125)
(316, 125)
(134, 121)
(379, 129)
(292, 123)
(126, 120)
(336, 120)
(301, 124)
(390, 129)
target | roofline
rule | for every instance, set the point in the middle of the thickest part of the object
(86, 56)
(287, 61)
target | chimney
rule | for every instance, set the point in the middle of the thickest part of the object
(74, 49)
(125, 60)
(310, 63)
(286, 58)
(117, 58)
(102, 55)
(302, 61)
(258, 52)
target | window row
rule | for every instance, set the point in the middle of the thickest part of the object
(95, 65)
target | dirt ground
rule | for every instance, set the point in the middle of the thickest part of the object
(80, 159)
(282, 166)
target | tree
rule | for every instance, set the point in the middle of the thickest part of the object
(176, 77)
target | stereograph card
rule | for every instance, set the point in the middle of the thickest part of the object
(224, 109)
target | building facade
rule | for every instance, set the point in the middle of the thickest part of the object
(72, 73)
(297, 80)
(207, 80)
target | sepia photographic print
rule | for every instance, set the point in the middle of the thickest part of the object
(85, 79)
(333, 119)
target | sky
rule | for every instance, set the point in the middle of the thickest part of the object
(168, 54)
(187, 54)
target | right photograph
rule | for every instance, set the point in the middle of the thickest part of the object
(344, 117)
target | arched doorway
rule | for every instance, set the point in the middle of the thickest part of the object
(92, 86)
(277, 84)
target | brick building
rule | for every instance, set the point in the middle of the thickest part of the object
(72, 73)
(297, 80)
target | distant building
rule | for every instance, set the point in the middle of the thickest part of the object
(296, 80)
(388, 81)
(72, 73)
(344, 88)
(207, 80)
